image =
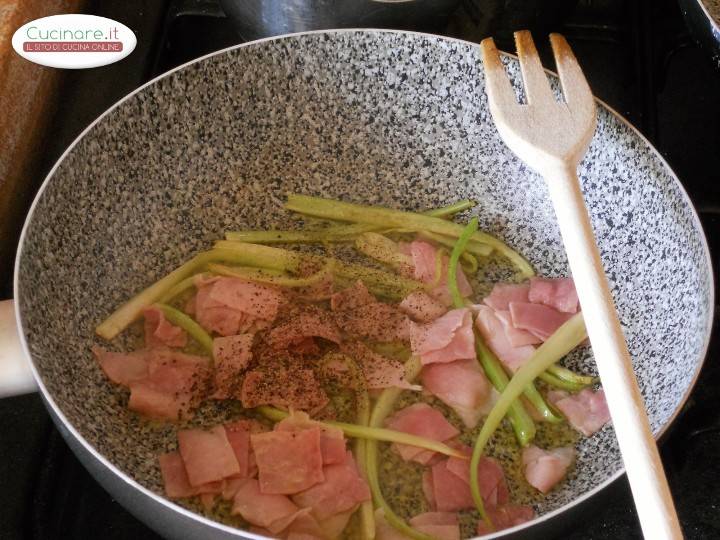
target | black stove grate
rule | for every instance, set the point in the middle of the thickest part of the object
(638, 58)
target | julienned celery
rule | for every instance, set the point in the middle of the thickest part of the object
(392, 285)
(457, 251)
(570, 376)
(131, 310)
(181, 287)
(269, 277)
(342, 211)
(520, 420)
(340, 233)
(473, 246)
(195, 331)
(562, 384)
(372, 433)
(536, 400)
(383, 407)
(564, 340)
(381, 248)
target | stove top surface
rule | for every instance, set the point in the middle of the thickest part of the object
(638, 58)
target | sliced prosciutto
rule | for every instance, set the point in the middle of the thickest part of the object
(280, 387)
(422, 420)
(440, 525)
(462, 386)
(175, 382)
(545, 468)
(262, 509)
(503, 293)
(379, 371)
(159, 331)
(587, 411)
(305, 324)
(353, 297)
(332, 439)
(492, 331)
(208, 455)
(175, 478)
(446, 339)
(421, 307)
(425, 263)
(515, 336)
(505, 516)
(232, 355)
(288, 461)
(230, 306)
(537, 319)
(238, 435)
(558, 293)
(123, 368)
(376, 321)
(342, 489)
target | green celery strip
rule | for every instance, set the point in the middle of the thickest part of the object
(457, 250)
(195, 331)
(473, 247)
(180, 288)
(123, 316)
(383, 407)
(341, 233)
(382, 249)
(342, 211)
(388, 284)
(562, 384)
(268, 277)
(520, 420)
(570, 376)
(372, 433)
(564, 340)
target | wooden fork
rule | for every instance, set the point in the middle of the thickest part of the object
(551, 137)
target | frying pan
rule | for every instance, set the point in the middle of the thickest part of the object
(382, 117)
(703, 19)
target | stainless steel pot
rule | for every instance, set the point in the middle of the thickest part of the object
(386, 117)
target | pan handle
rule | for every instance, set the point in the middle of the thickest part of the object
(15, 375)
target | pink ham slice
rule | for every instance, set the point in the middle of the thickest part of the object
(556, 293)
(421, 307)
(238, 436)
(123, 368)
(298, 389)
(462, 386)
(332, 439)
(379, 371)
(503, 293)
(232, 355)
(424, 257)
(342, 490)
(175, 381)
(376, 321)
(506, 516)
(385, 531)
(587, 411)
(545, 468)
(493, 332)
(333, 526)
(230, 306)
(208, 455)
(262, 509)
(159, 332)
(440, 525)
(537, 319)
(446, 339)
(353, 297)
(288, 461)
(305, 324)
(422, 420)
(515, 336)
(175, 476)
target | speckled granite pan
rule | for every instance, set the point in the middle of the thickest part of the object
(376, 117)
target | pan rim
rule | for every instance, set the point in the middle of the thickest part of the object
(242, 533)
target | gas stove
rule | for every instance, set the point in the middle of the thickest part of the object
(638, 58)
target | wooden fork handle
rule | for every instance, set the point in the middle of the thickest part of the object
(632, 428)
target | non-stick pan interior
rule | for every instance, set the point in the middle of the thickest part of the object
(375, 117)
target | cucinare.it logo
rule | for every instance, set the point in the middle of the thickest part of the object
(74, 41)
